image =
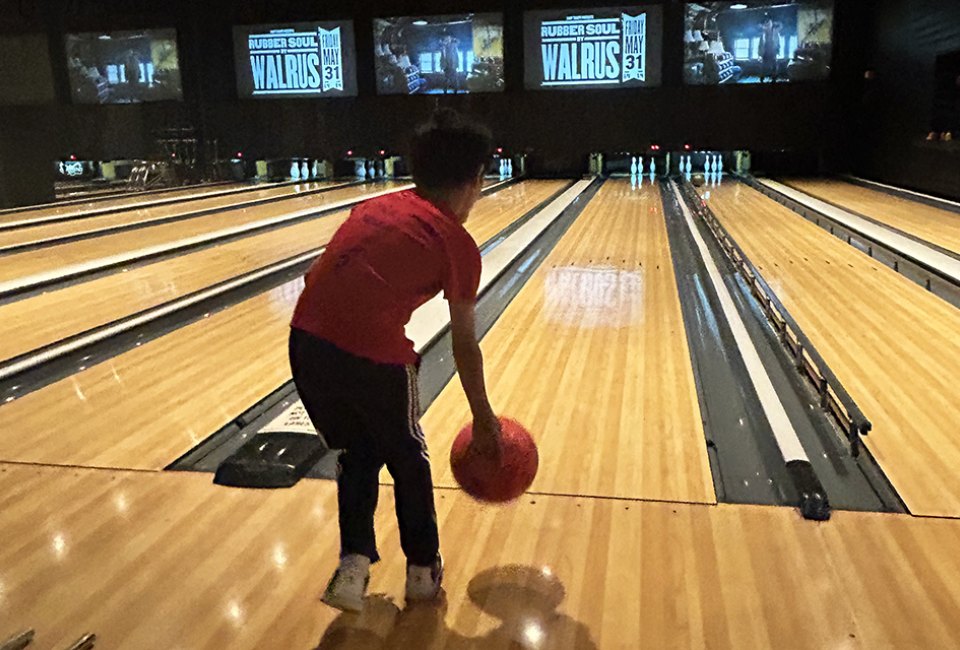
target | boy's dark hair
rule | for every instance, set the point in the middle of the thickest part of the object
(448, 150)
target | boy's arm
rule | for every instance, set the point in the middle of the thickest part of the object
(469, 360)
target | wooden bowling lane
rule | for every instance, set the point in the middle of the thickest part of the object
(168, 560)
(46, 318)
(52, 258)
(935, 225)
(124, 202)
(50, 317)
(510, 204)
(894, 346)
(71, 192)
(592, 358)
(90, 226)
(144, 408)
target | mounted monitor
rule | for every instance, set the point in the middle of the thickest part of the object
(460, 53)
(25, 74)
(768, 42)
(613, 47)
(296, 60)
(124, 67)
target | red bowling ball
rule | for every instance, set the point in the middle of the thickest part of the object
(496, 480)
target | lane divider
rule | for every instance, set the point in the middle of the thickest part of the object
(813, 498)
(927, 199)
(96, 198)
(133, 225)
(919, 252)
(63, 273)
(46, 354)
(110, 209)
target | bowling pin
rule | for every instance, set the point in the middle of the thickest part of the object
(707, 167)
(315, 171)
(304, 170)
(689, 164)
(720, 164)
(294, 170)
(633, 165)
(640, 165)
(653, 166)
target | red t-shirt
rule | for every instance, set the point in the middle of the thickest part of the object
(389, 257)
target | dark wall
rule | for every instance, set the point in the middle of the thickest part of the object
(898, 105)
(558, 128)
(26, 156)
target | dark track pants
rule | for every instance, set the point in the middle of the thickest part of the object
(370, 411)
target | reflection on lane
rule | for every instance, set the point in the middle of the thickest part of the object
(593, 296)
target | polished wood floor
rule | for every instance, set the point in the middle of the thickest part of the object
(591, 356)
(146, 407)
(93, 224)
(894, 346)
(52, 258)
(148, 559)
(937, 226)
(168, 560)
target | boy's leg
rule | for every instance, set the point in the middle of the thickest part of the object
(409, 464)
(322, 373)
(358, 487)
(416, 514)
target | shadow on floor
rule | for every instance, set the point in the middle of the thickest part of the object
(524, 599)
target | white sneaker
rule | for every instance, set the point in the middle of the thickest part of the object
(423, 582)
(348, 586)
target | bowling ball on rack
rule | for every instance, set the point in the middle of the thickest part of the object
(496, 480)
